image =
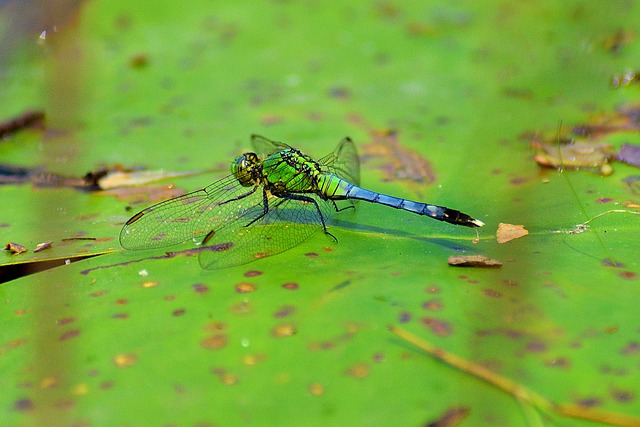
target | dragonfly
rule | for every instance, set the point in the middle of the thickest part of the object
(269, 203)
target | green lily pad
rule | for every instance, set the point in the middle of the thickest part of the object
(442, 102)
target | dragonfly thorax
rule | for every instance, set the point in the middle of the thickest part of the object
(244, 168)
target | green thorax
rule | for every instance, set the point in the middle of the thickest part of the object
(290, 170)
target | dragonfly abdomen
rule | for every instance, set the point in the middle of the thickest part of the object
(337, 189)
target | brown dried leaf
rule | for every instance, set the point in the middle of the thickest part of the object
(42, 246)
(578, 155)
(473, 261)
(508, 232)
(15, 248)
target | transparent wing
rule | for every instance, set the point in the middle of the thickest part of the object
(231, 214)
(344, 161)
(189, 218)
(287, 224)
(263, 145)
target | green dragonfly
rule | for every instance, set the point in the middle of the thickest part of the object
(268, 204)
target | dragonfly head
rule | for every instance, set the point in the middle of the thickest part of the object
(243, 169)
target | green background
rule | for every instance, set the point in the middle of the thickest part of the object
(439, 98)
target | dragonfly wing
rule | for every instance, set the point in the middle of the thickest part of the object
(344, 161)
(263, 145)
(188, 218)
(286, 224)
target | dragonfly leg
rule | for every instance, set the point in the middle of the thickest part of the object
(265, 207)
(341, 209)
(308, 199)
(242, 196)
(212, 233)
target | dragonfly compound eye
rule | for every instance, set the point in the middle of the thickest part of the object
(242, 168)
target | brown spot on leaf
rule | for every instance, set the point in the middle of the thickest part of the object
(139, 61)
(359, 370)
(243, 288)
(215, 342)
(629, 275)
(632, 348)
(125, 360)
(283, 330)
(536, 347)
(23, 405)
(602, 200)
(253, 359)
(492, 293)
(404, 317)
(225, 377)
(215, 326)
(589, 402)
(559, 362)
(200, 288)
(398, 162)
(290, 286)
(316, 389)
(271, 119)
(69, 335)
(66, 320)
(623, 396)
(437, 326)
(433, 305)
(98, 293)
(243, 307)
(252, 273)
(284, 311)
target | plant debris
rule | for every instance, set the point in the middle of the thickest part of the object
(28, 119)
(451, 418)
(473, 261)
(42, 246)
(625, 79)
(575, 155)
(585, 147)
(399, 162)
(103, 178)
(630, 154)
(508, 232)
(15, 248)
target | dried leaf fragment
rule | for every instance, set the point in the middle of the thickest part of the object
(577, 155)
(507, 232)
(42, 246)
(28, 119)
(15, 248)
(473, 261)
(630, 154)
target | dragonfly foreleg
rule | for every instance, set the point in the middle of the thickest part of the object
(240, 197)
(265, 207)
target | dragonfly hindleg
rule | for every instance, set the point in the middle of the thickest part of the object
(307, 199)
